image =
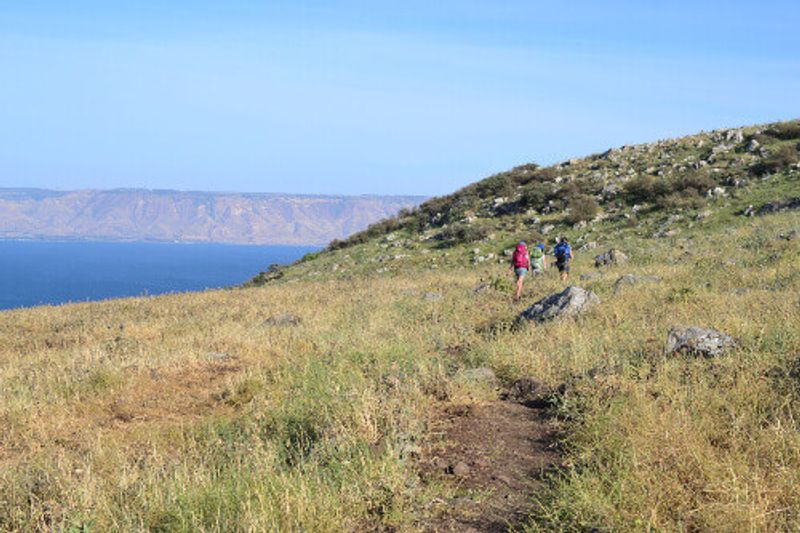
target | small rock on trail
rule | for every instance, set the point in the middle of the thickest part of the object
(693, 340)
(569, 302)
(479, 375)
(529, 391)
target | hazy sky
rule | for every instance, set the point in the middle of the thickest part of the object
(417, 97)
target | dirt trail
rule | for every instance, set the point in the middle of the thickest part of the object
(495, 455)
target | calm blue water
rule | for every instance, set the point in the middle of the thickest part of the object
(35, 272)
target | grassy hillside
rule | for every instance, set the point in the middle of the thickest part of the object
(197, 412)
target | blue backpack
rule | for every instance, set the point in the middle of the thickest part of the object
(562, 251)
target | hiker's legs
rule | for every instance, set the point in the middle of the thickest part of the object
(520, 272)
(564, 269)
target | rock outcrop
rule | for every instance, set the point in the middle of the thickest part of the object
(611, 257)
(571, 301)
(694, 340)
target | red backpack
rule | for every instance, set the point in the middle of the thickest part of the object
(520, 257)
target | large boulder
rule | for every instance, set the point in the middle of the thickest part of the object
(569, 302)
(693, 340)
(611, 257)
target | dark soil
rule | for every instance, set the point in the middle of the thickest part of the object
(494, 455)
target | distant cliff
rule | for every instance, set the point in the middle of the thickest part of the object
(155, 215)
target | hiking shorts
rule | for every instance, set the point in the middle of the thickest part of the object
(520, 272)
(563, 266)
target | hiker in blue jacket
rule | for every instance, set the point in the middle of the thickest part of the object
(563, 253)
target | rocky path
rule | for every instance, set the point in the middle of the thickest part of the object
(494, 455)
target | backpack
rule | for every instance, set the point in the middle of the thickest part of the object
(537, 253)
(562, 251)
(520, 257)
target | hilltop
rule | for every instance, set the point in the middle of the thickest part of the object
(391, 383)
(654, 190)
(186, 216)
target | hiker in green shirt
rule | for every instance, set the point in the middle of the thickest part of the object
(538, 260)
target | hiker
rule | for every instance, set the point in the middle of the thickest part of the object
(538, 260)
(520, 263)
(563, 252)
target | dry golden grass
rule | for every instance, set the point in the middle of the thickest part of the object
(186, 412)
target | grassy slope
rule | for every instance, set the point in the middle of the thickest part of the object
(186, 412)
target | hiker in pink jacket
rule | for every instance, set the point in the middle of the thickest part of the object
(520, 264)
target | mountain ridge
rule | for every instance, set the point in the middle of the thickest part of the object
(189, 216)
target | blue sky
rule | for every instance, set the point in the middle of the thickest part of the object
(413, 97)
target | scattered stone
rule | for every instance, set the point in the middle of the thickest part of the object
(604, 371)
(528, 391)
(736, 136)
(591, 245)
(790, 236)
(778, 206)
(569, 302)
(752, 146)
(693, 340)
(629, 280)
(283, 320)
(717, 192)
(218, 356)
(547, 229)
(591, 276)
(483, 287)
(611, 257)
(479, 375)
(750, 211)
(440, 464)
(459, 469)
(702, 215)
(410, 450)
(503, 479)
(432, 296)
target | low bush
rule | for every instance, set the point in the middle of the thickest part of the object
(537, 195)
(685, 191)
(462, 233)
(783, 157)
(785, 130)
(582, 208)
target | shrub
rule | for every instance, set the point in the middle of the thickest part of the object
(582, 208)
(783, 157)
(463, 233)
(546, 174)
(785, 131)
(274, 271)
(497, 185)
(644, 188)
(537, 195)
(524, 174)
(685, 191)
(696, 180)
(687, 198)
